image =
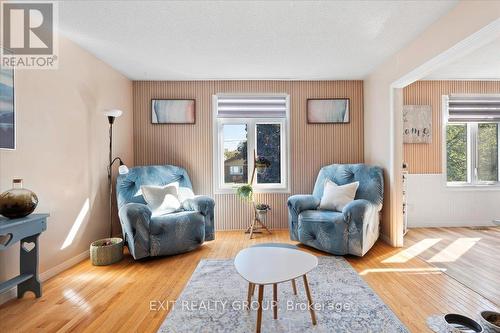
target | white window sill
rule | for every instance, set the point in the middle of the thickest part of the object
(473, 187)
(255, 190)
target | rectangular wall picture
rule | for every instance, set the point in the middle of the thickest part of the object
(328, 111)
(417, 124)
(173, 111)
(7, 110)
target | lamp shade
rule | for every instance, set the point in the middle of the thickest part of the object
(113, 113)
(122, 169)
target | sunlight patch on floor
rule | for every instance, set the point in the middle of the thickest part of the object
(77, 300)
(455, 250)
(430, 270)
(97, 277)
(412, 251)
(87, 277)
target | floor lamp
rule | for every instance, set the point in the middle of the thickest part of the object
(112, 115)
(107, 251)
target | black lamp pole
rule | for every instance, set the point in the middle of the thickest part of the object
(111, 120)
(110, 183)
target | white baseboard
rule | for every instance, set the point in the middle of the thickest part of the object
(449, 224)
(51, 272)
(8, 295)
(63, 266)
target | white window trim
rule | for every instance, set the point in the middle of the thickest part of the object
(218, 163)
(472, 183)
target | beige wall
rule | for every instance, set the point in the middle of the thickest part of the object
(427, 158)
(190, 146)
(62, 145)
(383, 129)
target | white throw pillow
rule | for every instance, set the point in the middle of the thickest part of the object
(336, 197)
(161, 199)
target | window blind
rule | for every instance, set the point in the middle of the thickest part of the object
(474, 108)
(252, 106)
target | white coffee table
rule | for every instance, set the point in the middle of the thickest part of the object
(272, 265)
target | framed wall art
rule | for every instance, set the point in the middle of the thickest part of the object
(173, 111)
(328, 111)
(417, 124)
(7, 109)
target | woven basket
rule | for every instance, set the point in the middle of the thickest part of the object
(102, 255)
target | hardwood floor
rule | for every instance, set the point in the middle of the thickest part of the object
(471, 256)
(115, 298)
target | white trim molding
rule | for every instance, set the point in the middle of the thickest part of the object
(51, 272)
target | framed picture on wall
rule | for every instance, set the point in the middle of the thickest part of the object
(7, 109)
(417, 124)
(173, 111)
(328, 110)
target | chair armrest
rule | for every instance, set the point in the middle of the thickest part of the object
(205, 206)
(200, 203)
(300, 202)
(362, 221)
(135, 219)
(356, 210)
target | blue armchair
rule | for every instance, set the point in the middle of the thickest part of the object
(165, 234)
(352, 231)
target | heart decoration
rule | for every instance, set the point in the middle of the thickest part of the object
(28, 246)
(5, 240)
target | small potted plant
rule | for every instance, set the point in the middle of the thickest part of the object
(245, 192)
(261, 210)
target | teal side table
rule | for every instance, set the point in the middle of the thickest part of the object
(25, 231)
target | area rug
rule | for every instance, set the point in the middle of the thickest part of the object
(214, 299)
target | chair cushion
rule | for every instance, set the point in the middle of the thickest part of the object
(164, 223)
(324, 230)
(320, 216)
(336, 197)
(370, 178)
(176, 233)
(128, 186)
(161, 199)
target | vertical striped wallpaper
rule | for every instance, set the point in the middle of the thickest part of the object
(427, 158)
(190, 146)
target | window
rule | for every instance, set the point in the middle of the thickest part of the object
(235, 153)
(472, 140)
(487, 152)
(456, 150)
(269, 146)
(248, 126)
(236, 170)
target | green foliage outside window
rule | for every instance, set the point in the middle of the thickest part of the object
(487, 168)
(456, 152)
(487, 152)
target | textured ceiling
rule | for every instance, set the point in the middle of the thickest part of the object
(480, 64)
(186, 40)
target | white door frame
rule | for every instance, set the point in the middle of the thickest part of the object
(482, 37)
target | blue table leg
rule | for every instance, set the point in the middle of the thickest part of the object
(29, 266)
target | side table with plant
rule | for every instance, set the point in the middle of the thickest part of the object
(245, 192)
